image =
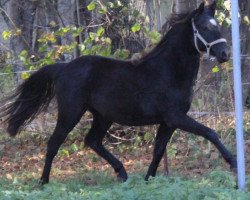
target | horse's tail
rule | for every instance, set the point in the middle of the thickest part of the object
(30, 98)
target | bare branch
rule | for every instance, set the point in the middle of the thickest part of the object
(6, 17)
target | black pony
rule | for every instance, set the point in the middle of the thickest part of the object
(155, 90)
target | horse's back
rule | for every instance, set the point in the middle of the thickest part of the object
(95, 74)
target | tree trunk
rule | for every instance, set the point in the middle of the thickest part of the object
(165, 6)
(52, 19)
(158, 15)
(150, 13)
(22, 15)
(83, 18)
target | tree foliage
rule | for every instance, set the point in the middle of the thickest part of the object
(117, 30)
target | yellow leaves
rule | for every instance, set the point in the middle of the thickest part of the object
(60, 50)
(48, 37)
(215, 69)
(246, 20)
(25, 75)
(51, 38)
(8, 34)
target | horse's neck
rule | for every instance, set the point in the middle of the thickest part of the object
(184, 57)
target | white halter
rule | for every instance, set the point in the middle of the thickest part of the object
(207, 45)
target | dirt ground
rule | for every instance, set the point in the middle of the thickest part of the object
(24, 157)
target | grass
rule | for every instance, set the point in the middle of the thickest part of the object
(215, 185)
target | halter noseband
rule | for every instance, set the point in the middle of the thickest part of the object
(207, 45)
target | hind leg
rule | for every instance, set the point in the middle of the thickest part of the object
(67, 119)
(94, 140)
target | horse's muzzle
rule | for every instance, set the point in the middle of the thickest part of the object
(221, 52)
(224, 56)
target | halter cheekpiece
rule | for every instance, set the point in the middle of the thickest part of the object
(207, 44)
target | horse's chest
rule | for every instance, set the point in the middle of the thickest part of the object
(183, 99)
(175, 99)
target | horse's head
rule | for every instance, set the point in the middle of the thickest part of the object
(207, 36)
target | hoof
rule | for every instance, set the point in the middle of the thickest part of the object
(122, 176)
(42, 182)
(121, 179)
(147, 177)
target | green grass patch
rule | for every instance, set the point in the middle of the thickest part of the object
(216, 185)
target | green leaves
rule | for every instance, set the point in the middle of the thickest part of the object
(223, 12)
(136, 27)
(111, 4)
(77, 31)
(122, 53)
(91, 6)
(154, 36)
(129, 22)
(227, 5)
(100, 31)
(74, 147)
(64, 152)
(148, 137)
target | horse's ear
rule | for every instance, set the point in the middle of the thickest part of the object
(210, 6)
(196, 12)
(200, 9)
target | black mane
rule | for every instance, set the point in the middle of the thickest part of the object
(176, 24)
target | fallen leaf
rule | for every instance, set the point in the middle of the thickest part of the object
(9, 176)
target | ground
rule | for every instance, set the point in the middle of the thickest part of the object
(191, 161)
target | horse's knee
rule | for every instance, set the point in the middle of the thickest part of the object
(90, 141)
(211, 135)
